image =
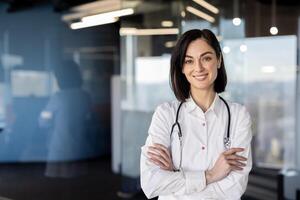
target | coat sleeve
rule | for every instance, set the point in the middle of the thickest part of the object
(156, 181)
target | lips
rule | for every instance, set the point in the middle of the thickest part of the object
(200, 77)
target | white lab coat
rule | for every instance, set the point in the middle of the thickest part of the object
(203, 135)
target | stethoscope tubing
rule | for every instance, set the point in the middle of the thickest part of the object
(226, 141)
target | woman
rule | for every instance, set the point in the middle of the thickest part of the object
(198, 165)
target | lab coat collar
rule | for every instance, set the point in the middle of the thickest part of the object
(215, 107)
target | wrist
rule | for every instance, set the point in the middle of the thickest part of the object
(209, 177)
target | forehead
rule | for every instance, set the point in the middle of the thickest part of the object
(198, 47)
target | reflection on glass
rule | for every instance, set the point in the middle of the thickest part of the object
(264, 77)
(66, 117)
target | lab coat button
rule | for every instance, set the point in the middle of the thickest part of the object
(203, 124)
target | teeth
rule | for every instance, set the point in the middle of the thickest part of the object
(201, 77)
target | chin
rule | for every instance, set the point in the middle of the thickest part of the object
(201, 87)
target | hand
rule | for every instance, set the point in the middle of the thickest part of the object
(228, 161)
(160, 155)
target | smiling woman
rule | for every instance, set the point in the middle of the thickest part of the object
(186, 155)
(200, 65)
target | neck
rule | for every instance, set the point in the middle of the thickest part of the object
(203, 98)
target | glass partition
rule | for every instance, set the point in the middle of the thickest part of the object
(262, 75)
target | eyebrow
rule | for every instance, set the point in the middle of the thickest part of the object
(203, 54)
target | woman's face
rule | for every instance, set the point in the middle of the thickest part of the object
(200, 65)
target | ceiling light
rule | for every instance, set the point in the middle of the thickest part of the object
(243, 48)
(226, 49)
(79, 25)
(208, 6)
(274, 30)
(167, 23)
(161, 31)
(200, 14)
(236, 21)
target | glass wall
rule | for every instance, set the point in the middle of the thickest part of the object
(145, 62)
(54, 102)
(263, 77)
(45, 74)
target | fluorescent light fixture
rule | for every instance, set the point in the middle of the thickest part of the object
(112, 14)
(268, 69)
(200, 14)
(167, 23)
(243, 48)
(274, 30)
(226, 49)
(79, 25)
(208, 6)
(236, 21)
(158, 31)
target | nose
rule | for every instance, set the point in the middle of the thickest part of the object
(199, 66)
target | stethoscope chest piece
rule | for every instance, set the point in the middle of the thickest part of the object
(227, 143)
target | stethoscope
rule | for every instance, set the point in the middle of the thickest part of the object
(226, 140)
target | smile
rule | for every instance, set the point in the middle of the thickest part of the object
(200, 77)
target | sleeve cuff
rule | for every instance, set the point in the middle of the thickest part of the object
(195, 181)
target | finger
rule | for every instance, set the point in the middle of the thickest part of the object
(159, 160)
(163, 150)
(154, 151)
(236, 168)
(157, 151)
(236, 163)
(235, 157)
(156, 162)
(162, 147)
(161, 153)
(233, 150)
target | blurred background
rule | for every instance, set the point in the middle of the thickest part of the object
(80, 79)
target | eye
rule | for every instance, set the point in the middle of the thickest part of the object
(207, 59)
(188, 61)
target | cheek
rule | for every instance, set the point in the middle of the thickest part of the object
(186, 71)
(214, 74)
(213, 71)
